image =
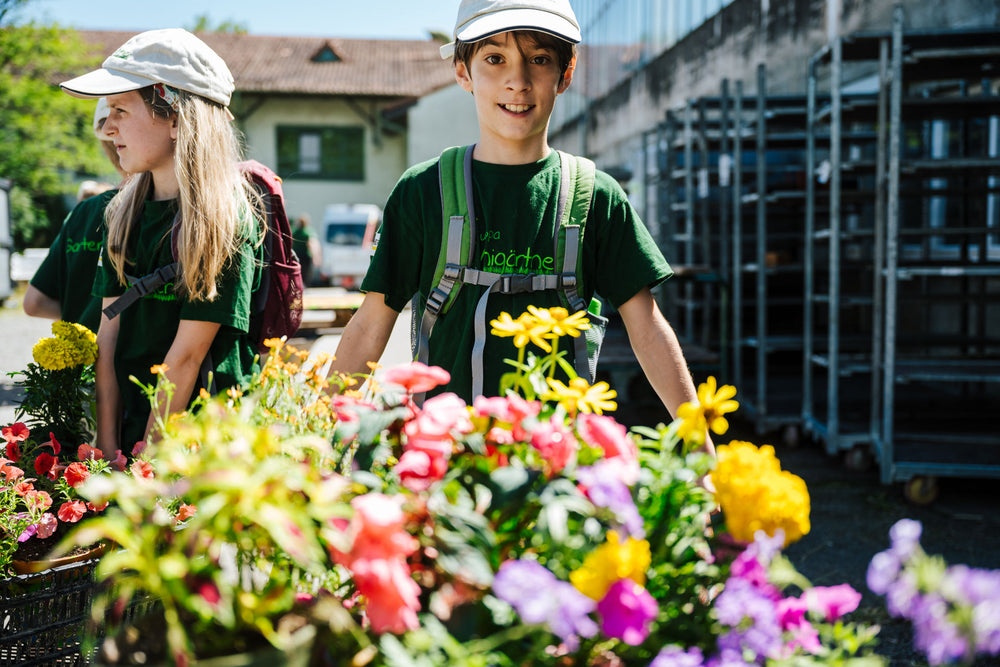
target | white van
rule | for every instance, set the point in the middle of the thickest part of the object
(348, 231)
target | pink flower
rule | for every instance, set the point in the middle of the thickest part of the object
(97, 507)
(791, 613)
(15, 433)
(13, 452)
(119, 462)
(417, 469)
(209, 592)
(142, 469)
(46, 526)
(86, 452)
(138, 448)
(416, 377)
(555, 442)
(440, 417)
(38, 500)
(11, 473)
(76, 474)
(72, 512)
(832, 601)
(377, 561)
(626, 611)
(610, 436)
(44, 463)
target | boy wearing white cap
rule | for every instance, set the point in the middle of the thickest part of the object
(185, 201)
(515, 57)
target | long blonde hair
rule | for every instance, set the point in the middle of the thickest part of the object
(216, 202)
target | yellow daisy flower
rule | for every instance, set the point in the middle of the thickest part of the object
(525, 329)
(580, 396)
(559, 322)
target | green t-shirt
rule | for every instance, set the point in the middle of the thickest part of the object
(515, 211)
(148, 326)
(67, 272)
(300, 242)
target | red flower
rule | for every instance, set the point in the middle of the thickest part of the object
(97, 507)
(22, 488)
(138, 448)
(210, 593)
(555, 442)
(416, 377)
(13, 452)
(142, 469)
(44, 463)
(72, 512)
(86, 452)
(76, 474)
(185, 512)
(417, 469)
(53, 443)
(15, 432)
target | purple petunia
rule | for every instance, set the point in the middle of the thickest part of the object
(538, 597)
(883, 571)
(605, 489)
(742, 600)
(905, 536)
(676, 656)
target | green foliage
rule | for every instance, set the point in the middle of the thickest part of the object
(203, 23)
(46, 136)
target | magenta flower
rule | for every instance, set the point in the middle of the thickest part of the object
(832, 601)
(626, 611)
(416, 377)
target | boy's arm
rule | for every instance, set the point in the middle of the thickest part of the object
(37, 303)
(659, 352)
(108, 395)
(365, 336)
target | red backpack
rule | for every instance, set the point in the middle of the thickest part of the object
(276, 305)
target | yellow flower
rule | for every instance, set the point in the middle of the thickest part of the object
(707, 412)
(54, 354)
(274, 343)
(609, 563)
(756, 494)
(581, 396)
(524, 329)
(558, 322)
(159, 369)
(203, 393)
(72, 345)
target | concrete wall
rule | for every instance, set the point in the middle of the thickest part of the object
(385, 153)
(784, 34)
(446, 117)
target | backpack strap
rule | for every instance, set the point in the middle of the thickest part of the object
(140, 287)
(458, 236)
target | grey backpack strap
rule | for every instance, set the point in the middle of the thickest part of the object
(140, 287)
(440, 294)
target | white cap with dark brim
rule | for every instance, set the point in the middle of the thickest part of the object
(479, 19)
(172, 56)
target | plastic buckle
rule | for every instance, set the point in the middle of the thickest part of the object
(436, 300)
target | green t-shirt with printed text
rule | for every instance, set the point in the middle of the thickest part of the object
(67, 272)
(515, 213)
(148, 326)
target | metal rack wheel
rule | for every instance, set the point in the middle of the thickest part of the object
(921, 490)
(858, 457)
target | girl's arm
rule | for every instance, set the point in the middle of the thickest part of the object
(183, 361)
(109, 398)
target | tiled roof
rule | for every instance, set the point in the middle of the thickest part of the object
(369, 67)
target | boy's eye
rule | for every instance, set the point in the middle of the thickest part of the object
(541, 60)
(493, 59)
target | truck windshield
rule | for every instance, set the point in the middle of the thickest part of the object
(340, 233)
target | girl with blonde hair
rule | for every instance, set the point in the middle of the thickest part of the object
(168, 94)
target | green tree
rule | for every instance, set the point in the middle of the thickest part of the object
(46, 136)
(203, 23)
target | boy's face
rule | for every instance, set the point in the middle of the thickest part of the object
(515, 87)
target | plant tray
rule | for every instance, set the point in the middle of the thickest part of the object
(43, 615)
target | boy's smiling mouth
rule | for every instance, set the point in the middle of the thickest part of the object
(517, 108)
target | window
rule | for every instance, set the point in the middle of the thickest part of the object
(327, 153)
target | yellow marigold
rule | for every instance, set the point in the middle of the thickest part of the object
(581, 396)
(558, 322)
(55, 354)
(611, 562)
(525, 329)
(708, 412)
(756, 494)
(83, 340)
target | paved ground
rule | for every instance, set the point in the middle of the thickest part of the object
(851, 511)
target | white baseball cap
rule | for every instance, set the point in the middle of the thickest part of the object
(101, 113)
(479, 19)
(172, 56)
